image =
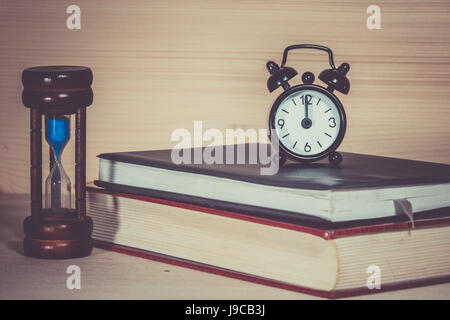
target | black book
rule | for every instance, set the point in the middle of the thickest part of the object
(362, 187)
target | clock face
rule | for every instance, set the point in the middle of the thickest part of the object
(308, 122)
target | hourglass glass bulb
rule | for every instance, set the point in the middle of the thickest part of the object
(57, 184)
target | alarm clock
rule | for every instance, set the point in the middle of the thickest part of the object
(308, 121)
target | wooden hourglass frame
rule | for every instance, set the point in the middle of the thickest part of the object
(56, 92)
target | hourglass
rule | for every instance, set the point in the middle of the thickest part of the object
(55, 230)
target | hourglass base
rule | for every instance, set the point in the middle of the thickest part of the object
(57, 234)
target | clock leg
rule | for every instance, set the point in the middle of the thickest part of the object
(335, 158)
(281, 159)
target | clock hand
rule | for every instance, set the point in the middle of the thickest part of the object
(306, 107)
(306, 122)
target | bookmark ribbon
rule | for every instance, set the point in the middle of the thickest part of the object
(404, 206)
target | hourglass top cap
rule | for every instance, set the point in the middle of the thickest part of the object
(56, 77)
(57, 89)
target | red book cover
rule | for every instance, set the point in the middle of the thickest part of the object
(432, 218)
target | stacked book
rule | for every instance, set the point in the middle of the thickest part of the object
(372, 224)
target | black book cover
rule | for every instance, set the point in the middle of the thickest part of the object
(356, 171)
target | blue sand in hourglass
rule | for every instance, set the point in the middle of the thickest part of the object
(58, 133)
(57, 184)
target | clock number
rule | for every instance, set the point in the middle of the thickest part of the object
(307, 147)
(306, 98)
(281, 123)
(333, 122)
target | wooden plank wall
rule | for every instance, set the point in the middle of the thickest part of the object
(161, 64)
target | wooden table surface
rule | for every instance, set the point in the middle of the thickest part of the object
(110, 275)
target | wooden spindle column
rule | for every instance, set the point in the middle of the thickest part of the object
(80, 163)
(36, 163)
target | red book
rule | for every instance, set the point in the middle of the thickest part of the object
(311, 256)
